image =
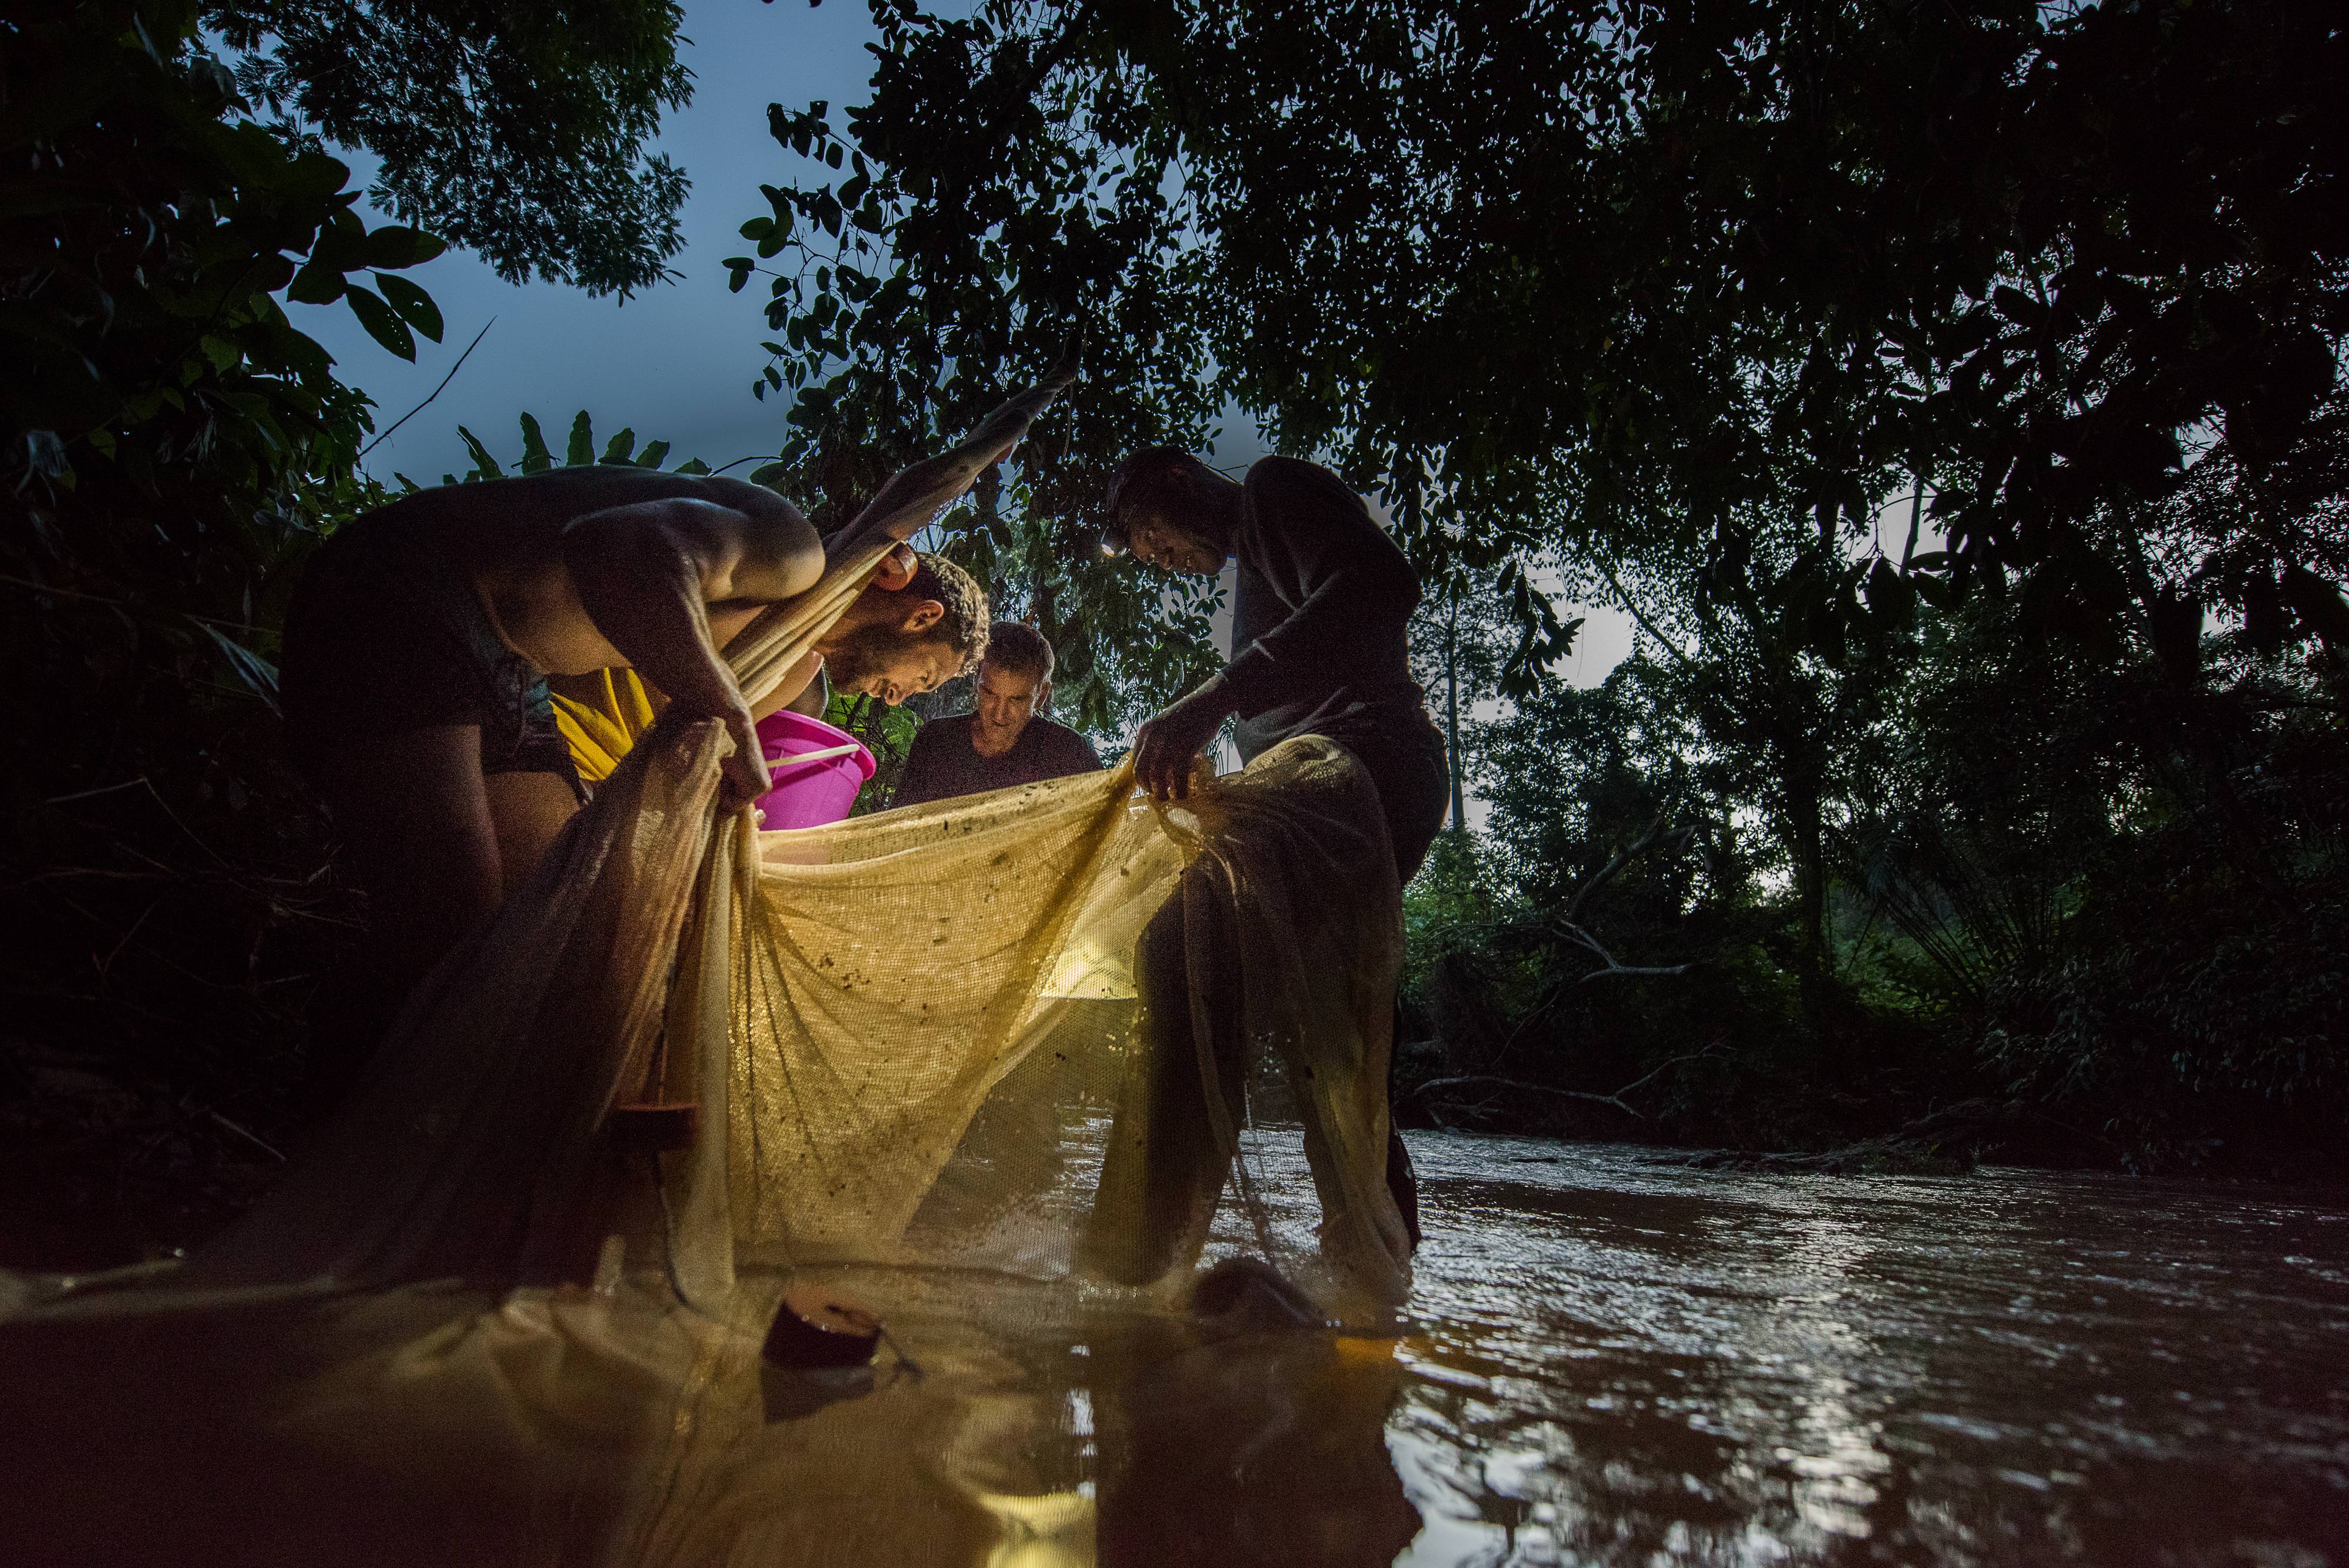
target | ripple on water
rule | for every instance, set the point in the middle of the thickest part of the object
(1620, 1359)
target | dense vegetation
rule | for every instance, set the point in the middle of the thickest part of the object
(1951, 394)
(172, 446)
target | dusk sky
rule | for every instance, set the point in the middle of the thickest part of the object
(676, 362)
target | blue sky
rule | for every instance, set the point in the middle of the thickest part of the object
(676, 362)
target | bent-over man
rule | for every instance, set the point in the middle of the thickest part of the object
(1319, 614)
(1003, 740)
(419, 641)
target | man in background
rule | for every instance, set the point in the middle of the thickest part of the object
(1005, 741)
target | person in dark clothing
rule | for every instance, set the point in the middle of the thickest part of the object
(1320, 615)
(1004, 742)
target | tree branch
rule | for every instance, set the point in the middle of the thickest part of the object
(443, 387)
(1645, 624)
(1615, 1100)
(1622, 859)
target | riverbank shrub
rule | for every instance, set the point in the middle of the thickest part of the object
(2104, 906)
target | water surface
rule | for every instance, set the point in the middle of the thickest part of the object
(1622, 1360)
(1608, 1358)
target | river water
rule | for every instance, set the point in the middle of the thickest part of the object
(1617, 1359)
(1609, 1358)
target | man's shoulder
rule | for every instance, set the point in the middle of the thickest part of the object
(741, 494)
(1279, 474)
(1277, 488)
(1061, 738)
(1273, 466)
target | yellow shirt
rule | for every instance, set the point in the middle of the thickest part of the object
(601, 714)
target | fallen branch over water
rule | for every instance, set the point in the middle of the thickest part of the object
(1486, 1080)
(1949, 1141)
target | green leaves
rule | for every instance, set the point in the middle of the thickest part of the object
(522, 135)
(1891, 598)
(383, 324)
(415, 305)
(536, 458)
(343, 245)
(315, 285)
(579, 450)
(484, 465)
(394, 245)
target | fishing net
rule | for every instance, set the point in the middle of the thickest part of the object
(1059, 1038)
(918, 1037)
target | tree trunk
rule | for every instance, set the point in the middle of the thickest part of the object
(1452, 718)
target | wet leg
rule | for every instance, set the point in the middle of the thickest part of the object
(1166, 1164)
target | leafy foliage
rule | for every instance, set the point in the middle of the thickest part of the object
(578, 451)
(907, 294)
(170, 453)
(172, 448)
(1676, 307)
(1590, 279)
(517, 131)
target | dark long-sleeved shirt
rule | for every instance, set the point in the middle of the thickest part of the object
(944, 763)
(1319, 613)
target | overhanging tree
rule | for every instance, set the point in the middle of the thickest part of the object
(2080, 271)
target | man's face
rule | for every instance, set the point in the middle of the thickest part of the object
(1006, 701)
(892, 664)
(1159, 539)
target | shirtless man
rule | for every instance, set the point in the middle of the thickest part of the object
(419, 645)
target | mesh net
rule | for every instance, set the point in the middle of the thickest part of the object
(1052, 1029)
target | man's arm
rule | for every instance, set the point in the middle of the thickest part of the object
(1360, 595)
(647, 574)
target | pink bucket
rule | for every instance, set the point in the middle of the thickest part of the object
(808, 795)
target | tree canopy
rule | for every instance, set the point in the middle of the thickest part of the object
(1608, 278)
(1950, 395)
(517, 131)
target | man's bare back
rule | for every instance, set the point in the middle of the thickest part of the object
(419, 641)
(612, 567)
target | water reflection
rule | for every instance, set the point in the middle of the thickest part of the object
(1647, 1364)
(1611, 1359)
(1016, 1428)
